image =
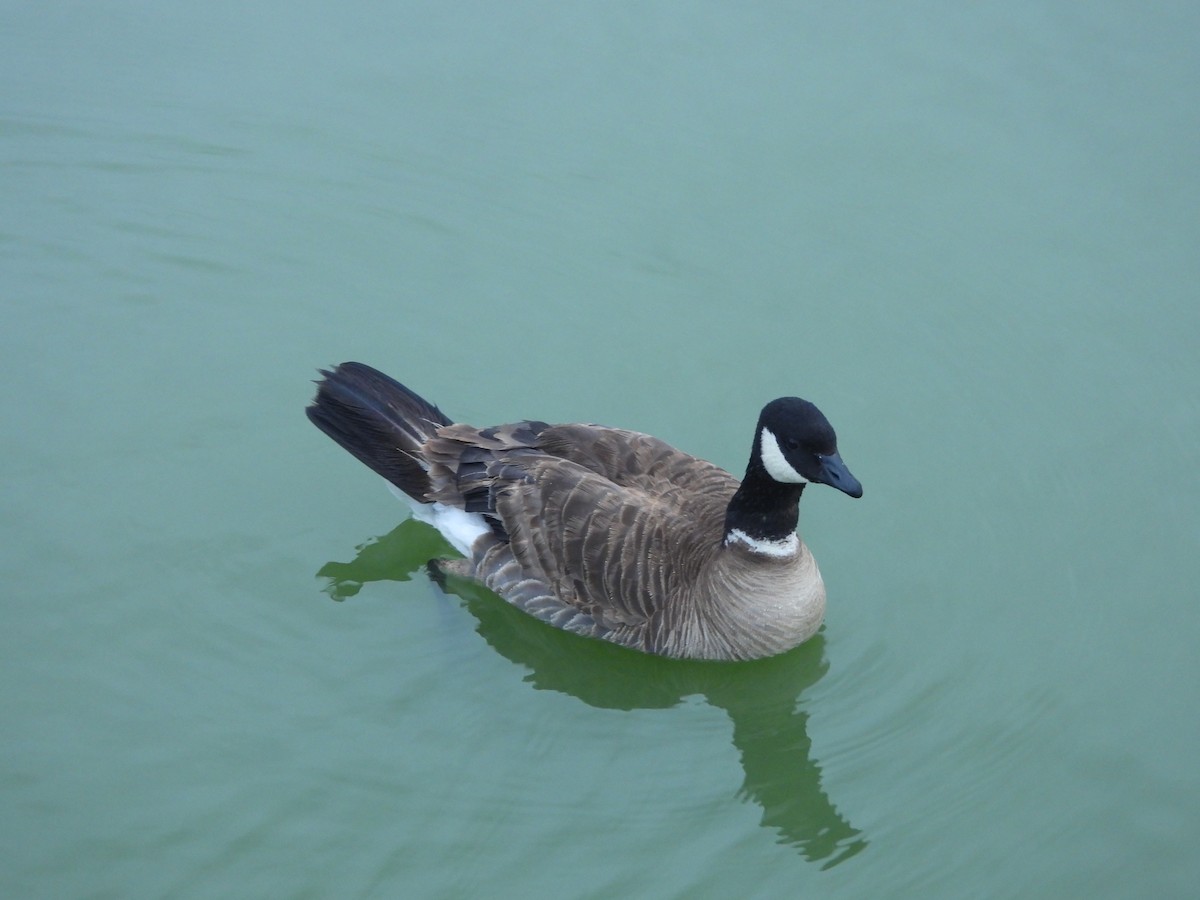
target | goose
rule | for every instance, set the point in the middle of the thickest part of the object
(605, 532)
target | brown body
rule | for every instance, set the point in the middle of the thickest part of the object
(618, 535)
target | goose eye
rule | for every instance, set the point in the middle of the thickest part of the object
(792, 444)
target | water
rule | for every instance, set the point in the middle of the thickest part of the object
(968, 233)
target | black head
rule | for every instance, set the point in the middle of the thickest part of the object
(795, 444)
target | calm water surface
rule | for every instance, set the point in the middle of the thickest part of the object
(968, 233)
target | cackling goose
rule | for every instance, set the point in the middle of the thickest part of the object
(605, 532)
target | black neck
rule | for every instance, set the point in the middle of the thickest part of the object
(764, 508)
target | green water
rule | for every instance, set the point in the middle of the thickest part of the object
(967, 232)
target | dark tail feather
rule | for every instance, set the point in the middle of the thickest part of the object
(379, 421)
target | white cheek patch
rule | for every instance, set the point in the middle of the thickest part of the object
(775, 462)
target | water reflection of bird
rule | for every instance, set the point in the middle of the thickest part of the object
(761, 697)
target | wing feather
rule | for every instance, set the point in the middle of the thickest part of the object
(614, 534)
(592, 513)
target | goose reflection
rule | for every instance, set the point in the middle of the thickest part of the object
(760, 697)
